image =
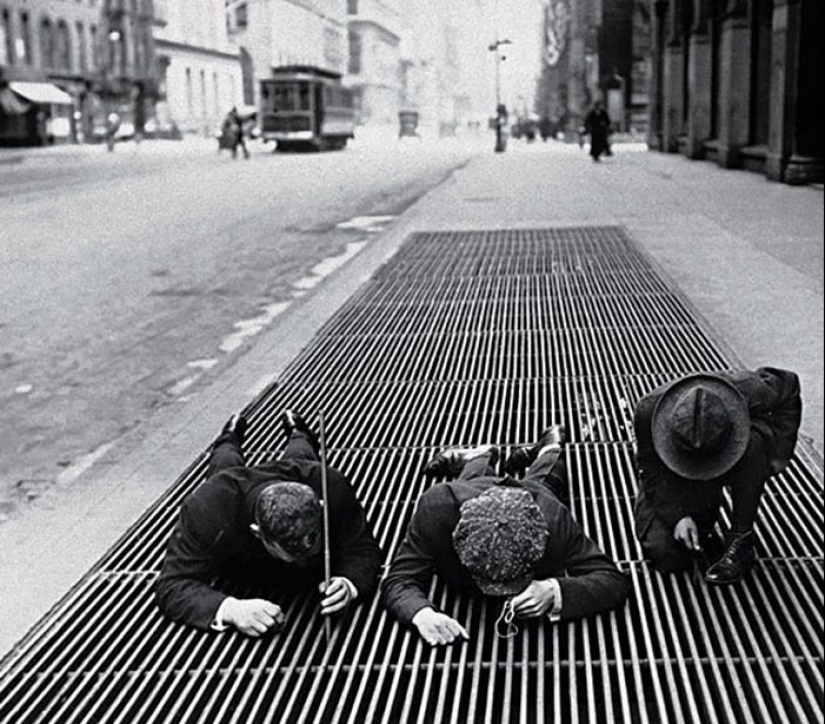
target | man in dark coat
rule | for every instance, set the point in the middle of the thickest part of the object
(697, 435)
(500, 537)
(597, 124)
(261, 529)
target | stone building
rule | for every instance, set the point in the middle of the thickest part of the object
(65, 64)
(199, 68)
(374, 60)
(272, 33)
(737, 82)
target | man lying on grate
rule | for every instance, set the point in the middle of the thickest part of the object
(501, 537)
(693, 438)
(264, 525)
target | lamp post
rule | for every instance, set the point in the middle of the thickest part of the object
(501, 111)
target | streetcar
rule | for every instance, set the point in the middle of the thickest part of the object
(306, 108)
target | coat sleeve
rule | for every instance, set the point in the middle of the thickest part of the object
(410, 575)
(593, 583)
(183, 590)
(780, 407)
(356, 554)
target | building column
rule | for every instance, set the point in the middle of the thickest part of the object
(784, 71)
(673, 80)
(658, 19)
(734, 85)
(699, 82)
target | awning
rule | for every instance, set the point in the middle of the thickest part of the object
(43, 93)
(11, 104)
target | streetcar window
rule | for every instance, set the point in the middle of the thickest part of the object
(284, 97)
(304, 96)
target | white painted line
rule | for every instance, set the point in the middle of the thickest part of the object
(83, 464)
(365, 223)
(23, 390)
(202, 364)
(250, 327)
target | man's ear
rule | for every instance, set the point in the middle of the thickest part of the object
(256, 530)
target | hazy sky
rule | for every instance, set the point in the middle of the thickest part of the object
(520, 21)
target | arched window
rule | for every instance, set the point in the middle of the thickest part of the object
(25, 48)
(63, 47)
(46, 43)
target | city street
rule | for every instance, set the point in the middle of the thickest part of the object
(131, 279)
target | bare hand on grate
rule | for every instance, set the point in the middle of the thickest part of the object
(437, 628)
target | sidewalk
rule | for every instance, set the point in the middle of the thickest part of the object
(747, 253)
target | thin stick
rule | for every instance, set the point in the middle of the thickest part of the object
(327, 558)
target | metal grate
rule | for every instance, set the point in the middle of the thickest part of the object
(465, 338)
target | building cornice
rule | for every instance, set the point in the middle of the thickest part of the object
(161, 43)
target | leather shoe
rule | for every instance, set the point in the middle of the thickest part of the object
(449, 463)
(523, 457)
(236, 425)
(735, 562)
(292, 422)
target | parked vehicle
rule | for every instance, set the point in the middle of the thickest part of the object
(306, 108)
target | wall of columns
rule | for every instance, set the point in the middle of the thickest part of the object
(735, 81)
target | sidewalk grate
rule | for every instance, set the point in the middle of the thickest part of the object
(464, 338)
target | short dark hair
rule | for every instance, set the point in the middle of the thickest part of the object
(290, 515)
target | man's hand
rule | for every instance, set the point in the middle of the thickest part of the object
(778, 466)
(253, 617)
(687, 533)
(337, 597)
(437, 628)
(535, 600)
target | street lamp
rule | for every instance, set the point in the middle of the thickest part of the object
(501, 111)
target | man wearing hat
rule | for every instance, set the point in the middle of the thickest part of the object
(246, 535)
(693, 438)
(500, 537)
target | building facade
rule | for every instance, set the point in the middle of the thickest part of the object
(737, 82)
(374, 32)
(65, 64)
(199, 68)
(273, 33)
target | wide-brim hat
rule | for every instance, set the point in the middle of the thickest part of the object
(701, 426)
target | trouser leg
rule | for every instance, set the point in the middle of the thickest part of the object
(747, 482)
(226, 453)
(550, 471)
(479, 467)
(298, 447)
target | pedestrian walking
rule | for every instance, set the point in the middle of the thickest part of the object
(259, 532)
(239, 133)
(494, 535)
(597, 125)
(693, 438)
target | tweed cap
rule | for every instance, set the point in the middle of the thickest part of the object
(701, 426)
(499, 538)
(290, 515)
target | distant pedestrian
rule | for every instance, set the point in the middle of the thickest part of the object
(693, 438)
(112, 126)
(239, 138)
(597, 125)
